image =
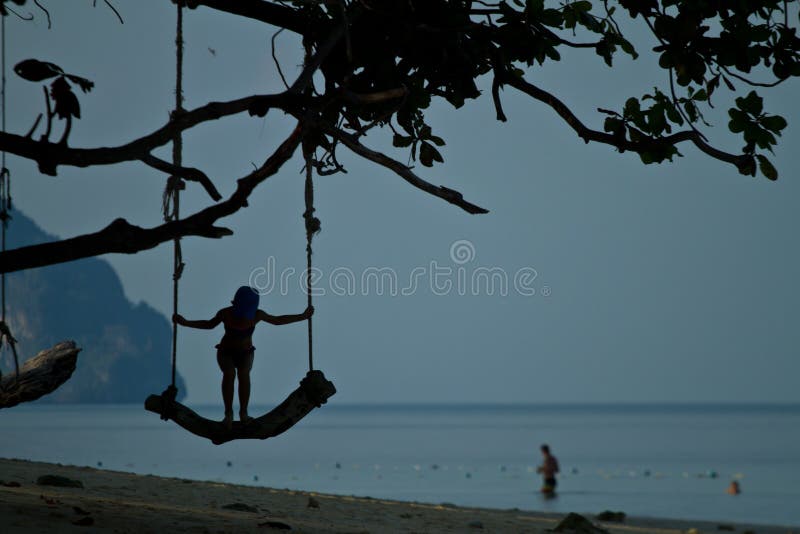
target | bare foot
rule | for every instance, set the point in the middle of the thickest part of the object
(244, 418)
(228, 420)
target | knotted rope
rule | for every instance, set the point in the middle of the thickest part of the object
(170, 204)
(313, 226)
(5, 205)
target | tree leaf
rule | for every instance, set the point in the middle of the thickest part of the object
(767, 169)
(66, 103)
(35, 71)
(774, 123)
(402, 140)
(428, 154)
(752, 103)
(436, 140)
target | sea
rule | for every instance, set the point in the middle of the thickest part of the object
(668, 461)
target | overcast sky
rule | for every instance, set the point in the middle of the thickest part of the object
(674, 282)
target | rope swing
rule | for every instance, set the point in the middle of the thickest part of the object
(171, 203)
(314, 389)
(5, 208)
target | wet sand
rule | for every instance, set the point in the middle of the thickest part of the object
(113, 501)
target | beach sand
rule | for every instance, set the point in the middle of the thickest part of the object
(113, 501)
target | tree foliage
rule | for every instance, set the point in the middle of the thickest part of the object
(383, 62)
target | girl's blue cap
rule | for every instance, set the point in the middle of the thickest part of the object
(245, 302)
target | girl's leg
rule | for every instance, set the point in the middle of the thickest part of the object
(244, 393)
(228, 378)
(244, 386)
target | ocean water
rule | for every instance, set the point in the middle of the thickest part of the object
(670, 461)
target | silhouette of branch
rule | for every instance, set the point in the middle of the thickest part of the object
(307, 74)
(119, 17)
(275, 59)
(450, 195)
(187, 173)
(587, 134)
(269, 12)
(46, 13)
(50, 155)
(122, 237)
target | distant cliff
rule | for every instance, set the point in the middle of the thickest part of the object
(126, 346)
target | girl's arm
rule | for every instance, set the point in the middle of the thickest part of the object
(205, 324)
(261, 315)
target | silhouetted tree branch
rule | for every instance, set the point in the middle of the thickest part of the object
(122, 237)
(645, 144)
(50, 155)
(187, 173)
(383, 61)
(269, 12)
(451, 196)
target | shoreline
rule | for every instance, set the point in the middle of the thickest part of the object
(116, 501)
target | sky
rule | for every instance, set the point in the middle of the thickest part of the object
(662, 283)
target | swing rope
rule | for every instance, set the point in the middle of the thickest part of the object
(312, 228)
(171, 202)
(5, 205)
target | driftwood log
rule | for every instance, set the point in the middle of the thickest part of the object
(313, 392)
(40, 375)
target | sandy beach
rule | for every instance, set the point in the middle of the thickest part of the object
(112, 501)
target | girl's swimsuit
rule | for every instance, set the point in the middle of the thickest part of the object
(237, 356)
(238, 333)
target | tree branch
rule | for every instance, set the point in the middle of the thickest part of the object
(50, 155)
(377, 97)
(450, 195)
(323, 51)
(123, 237)
(187, 173)
(587, 134)
(269, 12)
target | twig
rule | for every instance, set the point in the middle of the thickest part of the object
(47, 13)
(450, 195)
(115, 11)
(275, 58)
(187, 173)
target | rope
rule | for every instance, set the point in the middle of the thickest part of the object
(313, 226)
(170, 204)
(4, 174)
(5, 204)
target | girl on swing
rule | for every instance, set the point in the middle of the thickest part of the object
(235, 350)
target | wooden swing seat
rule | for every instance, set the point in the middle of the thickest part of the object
(40, 375)
(313, 392)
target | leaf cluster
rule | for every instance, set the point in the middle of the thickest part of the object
(440, 48)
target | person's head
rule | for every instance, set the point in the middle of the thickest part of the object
(245, 302)
(545, 449)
